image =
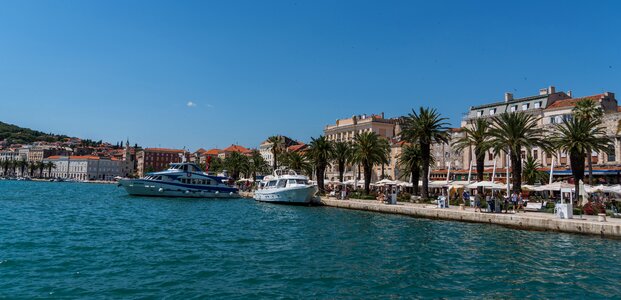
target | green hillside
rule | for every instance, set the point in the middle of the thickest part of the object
(17, 135)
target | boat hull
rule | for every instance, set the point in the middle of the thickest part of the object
(294, 195)
(140, 187)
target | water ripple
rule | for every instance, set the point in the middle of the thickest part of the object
(62, 240)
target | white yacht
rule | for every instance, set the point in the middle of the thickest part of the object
(180, 180)
(286, 187)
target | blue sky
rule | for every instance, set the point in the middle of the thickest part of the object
(113, 70)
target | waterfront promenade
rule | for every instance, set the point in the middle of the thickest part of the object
(528, 221)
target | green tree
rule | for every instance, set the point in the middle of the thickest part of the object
(32, 167)
(476, 137)
(6, 164)
(369, 149)
(512, 132)
(424, 128)
(320, 153)
(258, 165)
(216, 165)
(576, 137)
(40, 167)
(342, 156)
(278, 146)
(410, 161)
(22, 164)
(297, 162)
(236, 163)
(531, 173)
(588, 109)
(50, 165)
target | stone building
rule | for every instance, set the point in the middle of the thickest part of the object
(84, 167)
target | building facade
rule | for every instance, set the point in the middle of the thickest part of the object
(346, 129)
(158, 159)
(84, 168)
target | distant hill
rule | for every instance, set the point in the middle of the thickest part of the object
(18, 135)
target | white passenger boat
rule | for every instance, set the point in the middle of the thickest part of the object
(286, 187)
(180, 180)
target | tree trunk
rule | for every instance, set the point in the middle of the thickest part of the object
(480, 170)
(516, 172)
(341, 170)
(274, 163)
(590, 157)
(367, 178)
(320, 171)
(577, 170)
(415, 179)
(425, 153)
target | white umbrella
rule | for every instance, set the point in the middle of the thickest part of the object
(386, 182)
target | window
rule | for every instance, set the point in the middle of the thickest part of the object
(479, 113)
(611, 154)
(535, 154)
(492, 111)
(490, 156)
(538, 104)
(513, 108)
(525, 106)
(281, 183)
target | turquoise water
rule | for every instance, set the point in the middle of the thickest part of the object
(77, 240)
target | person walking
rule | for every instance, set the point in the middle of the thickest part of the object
(477, 202)
(520, 204)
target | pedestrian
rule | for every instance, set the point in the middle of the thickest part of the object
(520, 203)
(477, 202)
(490, 203)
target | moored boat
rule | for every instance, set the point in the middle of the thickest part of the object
(180, 180)
(286, 187)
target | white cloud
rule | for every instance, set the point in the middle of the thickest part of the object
(209, 105)
(191, 104)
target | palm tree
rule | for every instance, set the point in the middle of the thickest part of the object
(5, 166)
(576, 137)
(320, 153)
(342, 155)
(216, 165)
(22, 165)
(257, 164)
(236, 163)
(278, 145)
(40, 166)
(369, 149)
(476, 137)
(530, 172)
(588, 109)
(512, 132)
(297, 162)
(425, 127)
(32, 166)
(409, 160)
(50, 165)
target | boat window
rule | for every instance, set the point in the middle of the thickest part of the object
(291, 182)
(302, 181)
(272, 183)
(158, 178)
(281, 183)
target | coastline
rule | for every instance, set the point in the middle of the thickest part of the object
(588, 225)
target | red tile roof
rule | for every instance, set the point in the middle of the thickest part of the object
(296, 147)
(213, 151)
(572, 102)
(236, 148)
(618, 108)
(200, 151)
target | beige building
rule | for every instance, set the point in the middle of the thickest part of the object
(346, 129)
(551, 107)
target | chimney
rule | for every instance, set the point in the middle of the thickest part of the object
(551, 90)
(382, 115)
(543, 92)
(569, 93)
(508, 97)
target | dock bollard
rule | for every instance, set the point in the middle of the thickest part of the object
(601, 217)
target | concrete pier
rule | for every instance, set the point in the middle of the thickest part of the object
(527, 221)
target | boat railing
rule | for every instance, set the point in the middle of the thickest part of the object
(281, 172)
